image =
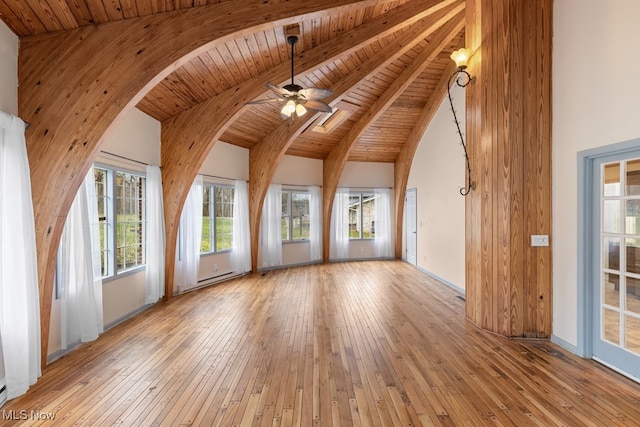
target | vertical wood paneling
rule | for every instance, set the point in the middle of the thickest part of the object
(473, 205)
(509, 139)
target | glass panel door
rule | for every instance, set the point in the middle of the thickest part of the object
(616, 320)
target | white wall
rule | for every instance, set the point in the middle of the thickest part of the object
(596, 102)
(8, 70)
(437, 173)
(227, 161)
(298, 171)
(367, 175)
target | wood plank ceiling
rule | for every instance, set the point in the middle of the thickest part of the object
(229, 65)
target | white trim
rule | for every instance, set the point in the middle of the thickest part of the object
(564, 344)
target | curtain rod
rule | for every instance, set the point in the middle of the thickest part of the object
(125, 158)
(367, 188)
(220, 177)
(297, 185)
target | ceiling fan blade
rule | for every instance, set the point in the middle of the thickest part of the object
(318, 106)
(313, 93)
(265, 101)
(278, 90)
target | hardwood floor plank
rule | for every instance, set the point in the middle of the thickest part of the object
(346, 344)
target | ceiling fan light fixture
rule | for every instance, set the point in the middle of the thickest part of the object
(289, 108)
(300, 110)
(295, 96)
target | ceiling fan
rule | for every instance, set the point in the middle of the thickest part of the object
(296, 99)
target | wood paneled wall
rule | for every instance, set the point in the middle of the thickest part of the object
(508, 282)
(74, 85)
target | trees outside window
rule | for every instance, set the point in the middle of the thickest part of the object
(217, 218)
(121, 201)
(295, 215)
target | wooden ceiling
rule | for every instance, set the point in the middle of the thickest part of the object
(389, 72)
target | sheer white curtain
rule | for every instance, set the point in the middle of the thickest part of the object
(80, 275)
(271, 228)
(340, 225)
(19, 304)
(241, 252)
(190, 238)
(156, 245)
(315, 223)
(382, 217)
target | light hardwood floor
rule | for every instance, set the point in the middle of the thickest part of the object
(362, 343)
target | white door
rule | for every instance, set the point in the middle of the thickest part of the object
(616, 262)
(411, 229)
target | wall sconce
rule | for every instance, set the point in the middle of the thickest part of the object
(462, 78)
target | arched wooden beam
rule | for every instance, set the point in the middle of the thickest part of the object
(75, 84)
(402, 166)
(188, 137)
(336, 160)
(265, 156)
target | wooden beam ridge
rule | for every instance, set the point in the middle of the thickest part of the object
(74, 85)
(188, 137)
(402, 165)
(265, 156)
(336, 160)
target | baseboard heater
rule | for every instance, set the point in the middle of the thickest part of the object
(212, 280)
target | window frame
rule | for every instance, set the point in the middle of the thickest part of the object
(112, 272)
(290, 217)
(213, 243)
(363, 196)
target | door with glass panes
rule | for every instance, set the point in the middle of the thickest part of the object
(616, 263)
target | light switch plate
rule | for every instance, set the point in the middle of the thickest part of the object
(539, 240)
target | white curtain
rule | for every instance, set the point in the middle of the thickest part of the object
(382, 217)
(19, 304)
(190, 238)
(315, 223)
(241, 253)
(340, 225)
(80, 274)
(271, 228)
(156, 244)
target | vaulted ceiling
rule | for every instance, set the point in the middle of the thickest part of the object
(383, 61)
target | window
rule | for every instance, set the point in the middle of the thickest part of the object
(121, 200)
(295, 215)
(217, 218)
(362, 208)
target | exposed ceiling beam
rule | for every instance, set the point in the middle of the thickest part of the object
(188, 137)
(336, 160)
(265, 156)
(402, 166)
(74, 85)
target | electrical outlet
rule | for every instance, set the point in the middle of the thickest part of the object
(539, 240)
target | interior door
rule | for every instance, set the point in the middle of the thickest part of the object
(616, 262)
(411, 229)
